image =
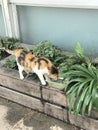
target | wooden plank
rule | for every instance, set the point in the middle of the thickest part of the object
(31, 88)
(33, 103)
(49, 109)
(84, 122)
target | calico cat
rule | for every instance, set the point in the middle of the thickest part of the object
(28, 62)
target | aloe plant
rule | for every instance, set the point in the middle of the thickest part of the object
(84, 90)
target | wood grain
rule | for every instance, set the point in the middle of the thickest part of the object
(36, 104)
(84, 122)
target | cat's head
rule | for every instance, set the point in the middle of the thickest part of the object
(54, 71)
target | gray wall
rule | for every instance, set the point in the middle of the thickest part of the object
(65, 27)
(2, 28)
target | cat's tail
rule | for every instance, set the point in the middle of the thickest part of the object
(4, 48)
(9, 51)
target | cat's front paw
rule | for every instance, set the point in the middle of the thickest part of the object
(21, 77)
(44, 85)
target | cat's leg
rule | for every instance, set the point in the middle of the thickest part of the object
(41, 77)
(20, 68)
(46, 77)
(20, 73)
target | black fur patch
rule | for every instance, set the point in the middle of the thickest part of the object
(31, 51)
(32, 59)
(21, 58)
(39, 61)
(54, 70)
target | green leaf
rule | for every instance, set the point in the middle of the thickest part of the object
(79, 103)
(71, 101)
(73, 89)
(81, 85)
(81, 68)
(86, 102)
(90, 107)
(79, 50)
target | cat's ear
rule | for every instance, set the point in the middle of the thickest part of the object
(58, 68)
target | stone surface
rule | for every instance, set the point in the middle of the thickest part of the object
(16, 117)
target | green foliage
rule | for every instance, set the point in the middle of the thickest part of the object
(82, 84)
(9, 42)
(11, 64)
(79, 50)
(80, 57)
(84, 88)
(1, 56)
(48, 50)
(73, 59)
(96, 102)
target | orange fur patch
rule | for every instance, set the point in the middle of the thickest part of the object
(18, 52)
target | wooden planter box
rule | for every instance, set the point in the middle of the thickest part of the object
(47, 100)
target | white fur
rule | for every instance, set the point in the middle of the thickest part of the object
(20, 68)
(40, 73)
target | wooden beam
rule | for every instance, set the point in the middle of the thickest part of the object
(31, 88)
(84, 122)
(47, 108)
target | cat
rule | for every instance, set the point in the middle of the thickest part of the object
(28, 62)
